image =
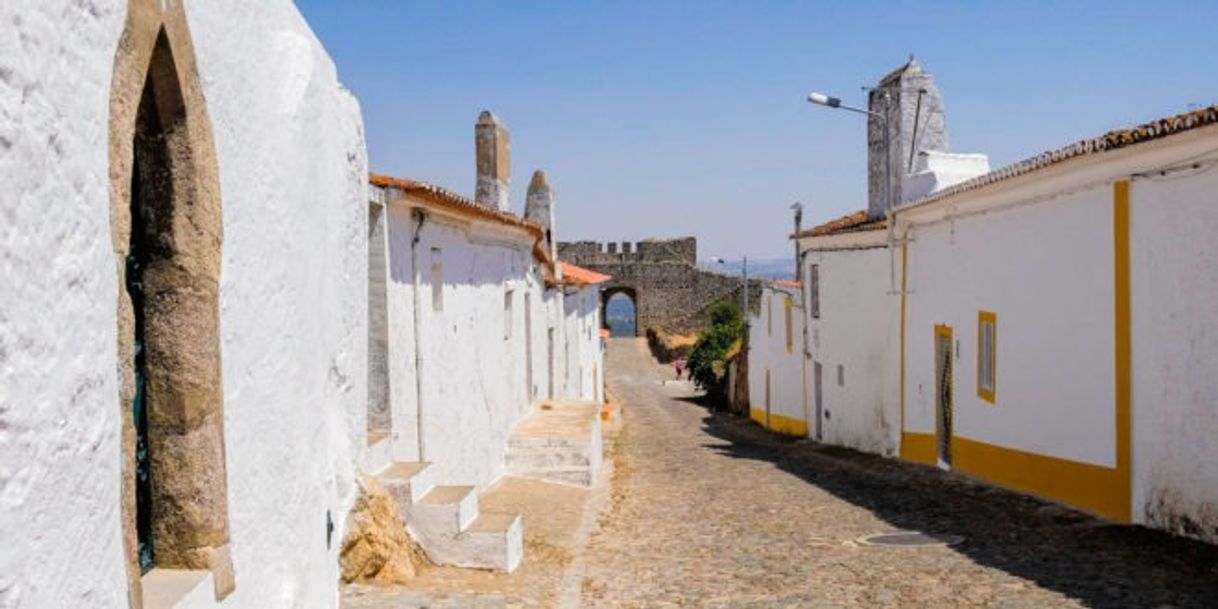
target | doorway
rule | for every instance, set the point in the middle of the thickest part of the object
(943, 394)
(818, 375)
(530, 390)
(550, 363)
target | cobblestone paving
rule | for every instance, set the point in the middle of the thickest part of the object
(710, 511)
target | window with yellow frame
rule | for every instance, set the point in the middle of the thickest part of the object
(987, 355)
(787, 305)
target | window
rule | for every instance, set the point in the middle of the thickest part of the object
(787, 306)
(814, 291)
(987, 355)
(437, 280)
(508, 297)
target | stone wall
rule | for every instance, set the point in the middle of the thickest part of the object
(662, 276)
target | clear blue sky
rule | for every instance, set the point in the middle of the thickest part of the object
(658, 118)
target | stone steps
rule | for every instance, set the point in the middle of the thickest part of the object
(560, 442)
(447, 524)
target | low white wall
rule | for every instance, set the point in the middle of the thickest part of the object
(1174, 285)
(769, 352)
(859, 331)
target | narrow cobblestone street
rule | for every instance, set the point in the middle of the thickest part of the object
(708, 510)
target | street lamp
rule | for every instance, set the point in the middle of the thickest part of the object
(745, 276)
(828, 101)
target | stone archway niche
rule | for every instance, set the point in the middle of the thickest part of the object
(166, 227)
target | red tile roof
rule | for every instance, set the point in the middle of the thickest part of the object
(787, 283)
(446, 198)
(450, 200)
(1113, 140)
(578, 275)
(850, 223)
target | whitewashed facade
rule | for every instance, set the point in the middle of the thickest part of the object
(274, 145)
(480, 329)
(776, 353)
(1041, 327)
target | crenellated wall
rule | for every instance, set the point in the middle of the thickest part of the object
(663, 278)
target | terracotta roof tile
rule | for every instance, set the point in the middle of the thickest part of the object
(451, 200)
(578, 275)
(787, 283)
(1113, 140)
(448, 199)
(849, 223)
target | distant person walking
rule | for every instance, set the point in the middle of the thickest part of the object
(679, 364)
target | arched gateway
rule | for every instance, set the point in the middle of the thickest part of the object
(661, 276)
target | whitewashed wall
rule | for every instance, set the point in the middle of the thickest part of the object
(1174, 285)
(293, 179)
(768, 352)
(582, 334)
(858, 331)
(292, 171)
(59, 412)
(474, 379)
(1046, 271)
(1041, 258)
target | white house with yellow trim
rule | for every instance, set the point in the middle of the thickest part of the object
(775, 356)
(1056, 317)
(1046, 327)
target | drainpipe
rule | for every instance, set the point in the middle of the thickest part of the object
(419, 219)
(806, 354)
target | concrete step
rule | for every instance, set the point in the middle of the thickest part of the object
(493, 541)
(448, 526)
(560, 442)
(444, 511)
(406, 482)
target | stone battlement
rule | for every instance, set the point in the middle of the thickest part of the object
(584, 253)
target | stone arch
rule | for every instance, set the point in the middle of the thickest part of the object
(627, 291)
(166, 227)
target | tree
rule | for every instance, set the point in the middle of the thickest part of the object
(707, 360)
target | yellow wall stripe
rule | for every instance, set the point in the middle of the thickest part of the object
(1123, 342)
(790, 426)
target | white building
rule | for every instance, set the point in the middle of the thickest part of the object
(480, 325)
(187, 178)
(1040, 326)
(776, 352)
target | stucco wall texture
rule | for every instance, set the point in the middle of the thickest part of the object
(291, 157)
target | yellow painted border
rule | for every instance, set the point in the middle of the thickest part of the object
(1123, 346)
(788, 310)
(1102, 490)
(984, 317)
(782, 424)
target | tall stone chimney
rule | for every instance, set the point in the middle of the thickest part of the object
(539, 208)
(909, 98)
(493, 149)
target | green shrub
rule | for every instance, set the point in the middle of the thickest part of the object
(707, 358)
